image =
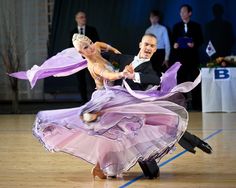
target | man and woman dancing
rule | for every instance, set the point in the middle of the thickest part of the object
(120, 126)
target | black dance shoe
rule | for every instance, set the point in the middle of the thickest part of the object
(205, 147)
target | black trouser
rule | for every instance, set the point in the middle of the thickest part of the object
(86, 85)
(188, 72)
(189, 141)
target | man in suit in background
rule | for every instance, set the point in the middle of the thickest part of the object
(83, 28)
(143, 77)
(187, 37)
(86, 84)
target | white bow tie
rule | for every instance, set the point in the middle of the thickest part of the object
(138, 61)
(136, 58)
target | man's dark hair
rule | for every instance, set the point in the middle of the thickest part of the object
(187, 6)
(155, 13)
(218, 10)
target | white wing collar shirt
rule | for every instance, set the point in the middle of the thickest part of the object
(81, 30)
(135, 63)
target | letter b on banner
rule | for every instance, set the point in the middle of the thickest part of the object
(221, 74)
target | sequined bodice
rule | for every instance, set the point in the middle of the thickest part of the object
(99, 80)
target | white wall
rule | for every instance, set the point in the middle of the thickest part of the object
(27, 20)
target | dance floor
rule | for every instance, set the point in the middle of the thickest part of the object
(25, 163)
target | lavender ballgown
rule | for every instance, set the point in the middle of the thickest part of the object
(133, 125)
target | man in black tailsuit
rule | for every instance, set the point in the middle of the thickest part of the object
(86, 84)
(187, 38)
(144, 76)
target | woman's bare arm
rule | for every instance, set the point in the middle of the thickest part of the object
(106, 47)
(105, 73)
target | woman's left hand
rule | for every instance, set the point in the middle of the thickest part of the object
(128, 72)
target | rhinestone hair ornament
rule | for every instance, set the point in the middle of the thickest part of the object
(78, 39)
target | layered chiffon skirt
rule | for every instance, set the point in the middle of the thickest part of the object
(128, 130)
(133, 125)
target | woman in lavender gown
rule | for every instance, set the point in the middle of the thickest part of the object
(116, 128)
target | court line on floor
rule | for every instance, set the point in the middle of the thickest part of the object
(169, 160)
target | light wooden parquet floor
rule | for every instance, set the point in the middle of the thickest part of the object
(25, 163)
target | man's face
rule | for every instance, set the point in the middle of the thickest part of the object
(148, 47)
(184, 14)
(154, 19)
(80, 19)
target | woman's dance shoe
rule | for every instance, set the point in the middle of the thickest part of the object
(96, 171)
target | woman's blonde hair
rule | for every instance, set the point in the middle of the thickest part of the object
(78, 39)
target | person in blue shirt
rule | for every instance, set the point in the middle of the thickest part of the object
(161, 57)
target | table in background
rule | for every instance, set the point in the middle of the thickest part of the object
(218, 89)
